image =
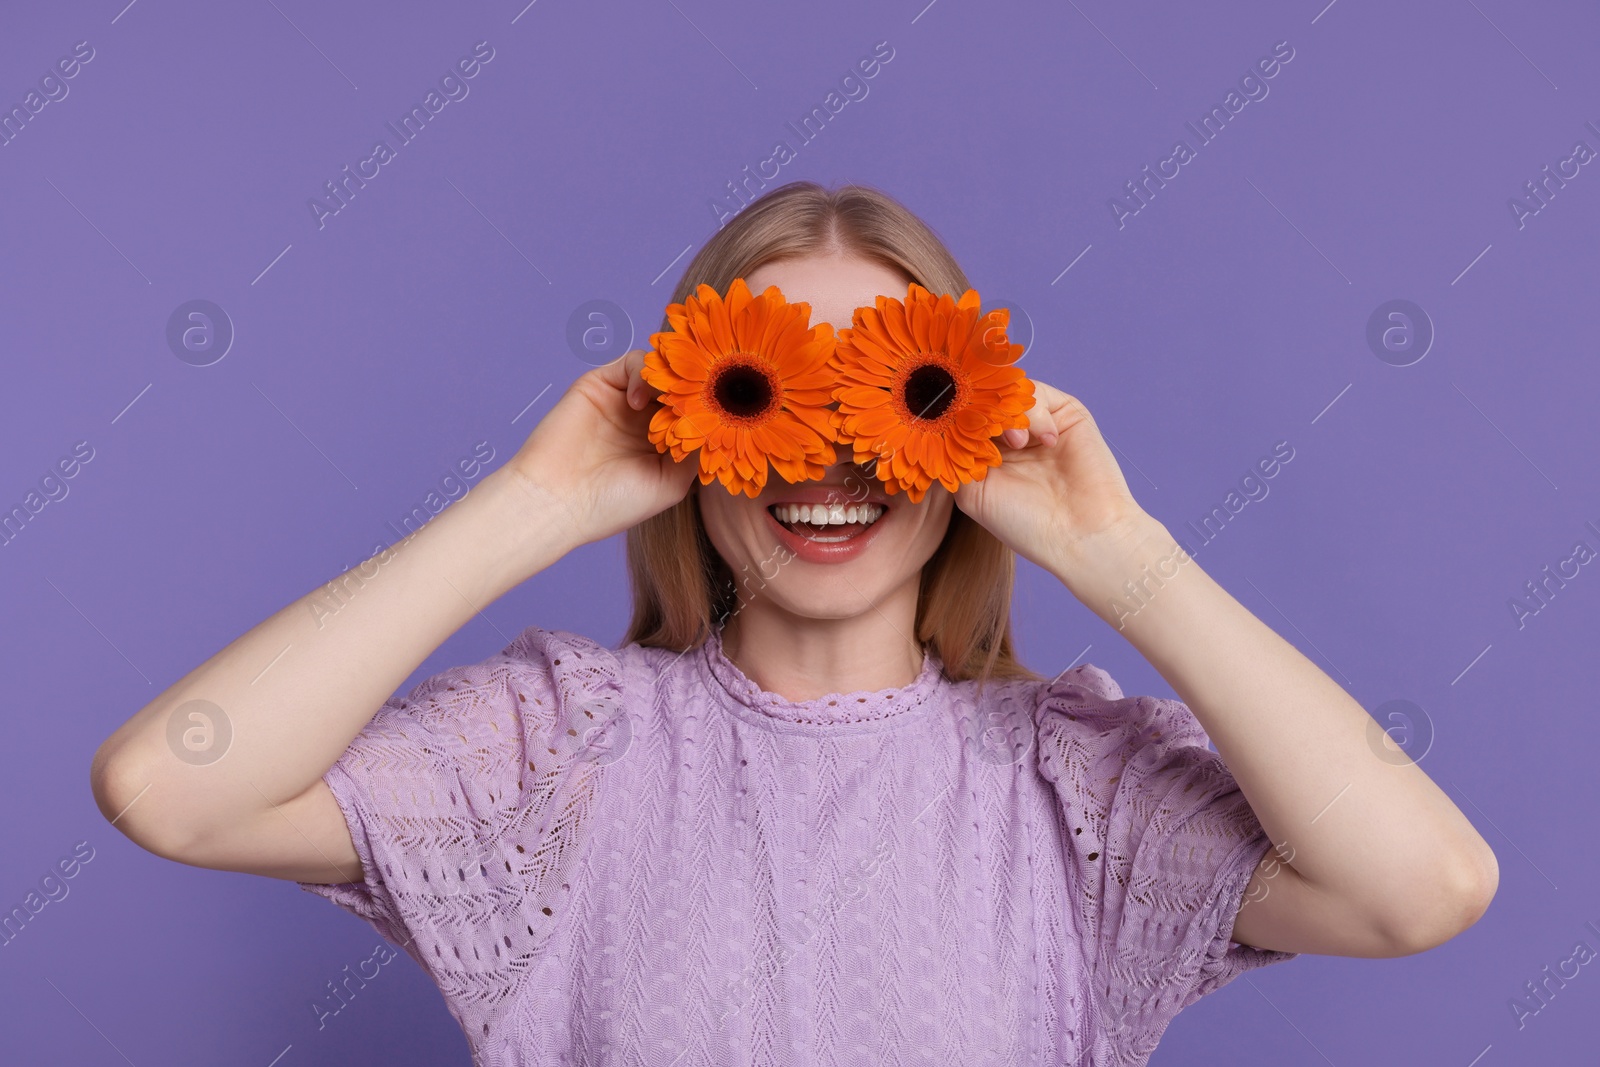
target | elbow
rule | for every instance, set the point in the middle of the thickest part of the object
(110, 779)
(122, 785)
(1479, 885)
(1455, 900)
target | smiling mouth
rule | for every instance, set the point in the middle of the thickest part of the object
(827, 523)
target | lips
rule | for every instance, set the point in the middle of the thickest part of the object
(820, 527)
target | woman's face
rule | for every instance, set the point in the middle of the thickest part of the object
(842, 568)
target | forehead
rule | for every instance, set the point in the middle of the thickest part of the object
(834, 285)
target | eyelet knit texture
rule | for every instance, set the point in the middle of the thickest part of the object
(636, 856)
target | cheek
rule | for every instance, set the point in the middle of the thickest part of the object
(922, 527)
(735, 526)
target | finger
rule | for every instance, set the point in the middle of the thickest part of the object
(1042, 422)
(614, 373)
(639, 393)
(1050, 405)
(1069, 411)
(1048, 395)
(1041, 428)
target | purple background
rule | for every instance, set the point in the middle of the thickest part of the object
(372, 353)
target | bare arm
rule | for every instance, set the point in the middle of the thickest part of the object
(1373, 859)
(298, 687)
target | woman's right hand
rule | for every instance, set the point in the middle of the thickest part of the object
(587, 471)
(592, 456)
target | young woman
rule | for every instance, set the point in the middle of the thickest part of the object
(812, 810)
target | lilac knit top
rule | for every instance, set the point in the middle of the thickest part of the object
(638, 857)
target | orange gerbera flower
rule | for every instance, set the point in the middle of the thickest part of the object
(924, 385)
(745, 380)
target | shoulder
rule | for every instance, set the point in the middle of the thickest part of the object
(569, 661)
(550, 649)
(573, 671)
(533, 651)
(1086, 702)
(1090, 735)
(539, 679)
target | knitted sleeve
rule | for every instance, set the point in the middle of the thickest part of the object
(1160, 844)
(467, 802)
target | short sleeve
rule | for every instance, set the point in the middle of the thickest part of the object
(1160, 844)
(467, 801)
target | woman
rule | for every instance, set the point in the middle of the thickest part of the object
(813, 809)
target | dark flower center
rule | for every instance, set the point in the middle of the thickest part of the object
(743, 391)
(930, 390)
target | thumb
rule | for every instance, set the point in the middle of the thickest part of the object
(624, 373)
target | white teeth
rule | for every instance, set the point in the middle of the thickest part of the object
(828, 514)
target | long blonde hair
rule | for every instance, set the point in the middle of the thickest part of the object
(682, 587)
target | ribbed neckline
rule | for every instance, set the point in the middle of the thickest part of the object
(834, 708)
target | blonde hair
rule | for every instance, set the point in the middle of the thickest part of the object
(682, 587)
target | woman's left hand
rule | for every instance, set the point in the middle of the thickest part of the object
(1057, 488)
